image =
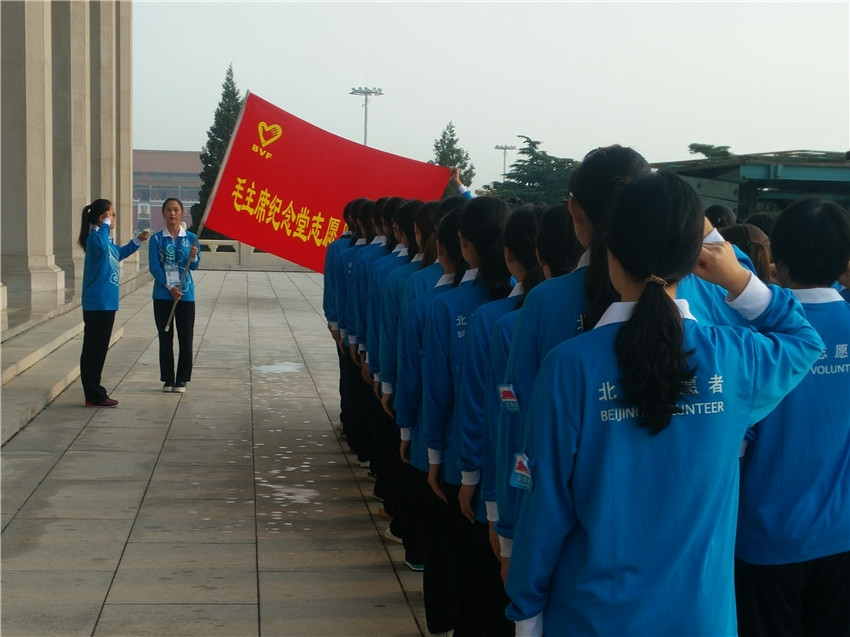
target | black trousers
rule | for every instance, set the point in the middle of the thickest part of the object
(494, 600)
(439, 584)
(184, 325)
(805, 598)
(469, 621)
(97, 330)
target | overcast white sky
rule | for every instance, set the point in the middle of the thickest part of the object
(757, 76)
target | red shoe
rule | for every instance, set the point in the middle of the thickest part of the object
(107, 402)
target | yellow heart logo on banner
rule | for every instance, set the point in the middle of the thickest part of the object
(269, 133)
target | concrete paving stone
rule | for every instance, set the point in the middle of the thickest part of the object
(187, 520)
(180, 573)
(213, 372)
(238, 410)
(320, 552)
(319, 518)
(104, 465)
(54, 431)
(224, 482)
(304, 420)
(236, 357)
(204, 428)
(298, 440)
(52, 603)
(186, 620)
(266, 405)
(154, 409)
(63, 545)
(144, 439)
(85, 499)
(328, 603)
(229, 451)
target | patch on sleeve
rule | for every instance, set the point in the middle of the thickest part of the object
(507, 396)
(521, 474)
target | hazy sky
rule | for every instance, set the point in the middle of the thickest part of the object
(756, 76)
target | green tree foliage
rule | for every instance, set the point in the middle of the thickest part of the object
(710, 151)
(218, 137)
(536, 176)
(448, 153)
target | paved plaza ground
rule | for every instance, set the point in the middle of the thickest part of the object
(233, 509)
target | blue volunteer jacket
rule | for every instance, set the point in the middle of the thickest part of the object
(164, 252)
(100, 290)
(795, 475)
(625, 533)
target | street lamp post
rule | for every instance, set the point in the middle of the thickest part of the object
(504, 148)
(366, 93)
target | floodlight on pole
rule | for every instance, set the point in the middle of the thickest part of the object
(504, 148)
(366, 93)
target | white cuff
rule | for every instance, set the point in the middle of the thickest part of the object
(713, 237)
(367, 356)
(170, 286)
(343, 332)
(406, 434)
(137, 241)
(753, 301)
(386, 388)
(435, 456)
(360, 346)
(462, 189)
(470, 478)
(492, 511)
(507, 546)
(107, 222)
(334, 325)
(531, 627)
(376, 378)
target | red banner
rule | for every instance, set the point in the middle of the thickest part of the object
(284, 182)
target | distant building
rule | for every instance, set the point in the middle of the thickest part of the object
(766, 182)
(158, 175)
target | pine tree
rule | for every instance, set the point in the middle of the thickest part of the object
(218, 137)
(536, 176)
(448, 153)
(710, 151)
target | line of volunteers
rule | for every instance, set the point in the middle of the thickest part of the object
(594, 418)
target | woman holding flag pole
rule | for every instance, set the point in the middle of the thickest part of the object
(173, 254)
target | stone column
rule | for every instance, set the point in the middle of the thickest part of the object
(103, 106)
(71, 132)
(27, 152)
(124, 133)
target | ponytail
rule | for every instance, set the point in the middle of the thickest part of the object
(481, 223)
(91, 215)
(654, 230)
(653, 368)
(520, 238)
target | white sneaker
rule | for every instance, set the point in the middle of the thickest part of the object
(167, 389)
(180, 388)
(392, 537)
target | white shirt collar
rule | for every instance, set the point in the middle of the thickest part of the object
(446, 279)
(360, 242)
(817, 295)
(621, 311)
(517, 291)
(381, 239)
(417, 257)
(180, 233)
(584, 261)
(469, 275)
(398, 248)
(402, 252)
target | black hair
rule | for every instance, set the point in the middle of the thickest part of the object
(353, 207)
(655, 230)
(447, 235)
(482, 222)
(91, 215)
(366, 220)
(426, 222)
(520, 237)
(179, 203)
(752, 242)
(557, 243)
(593, 182)
(378, 221)
(404, 220)
(812, 239)
(763, 220)
(720, 216)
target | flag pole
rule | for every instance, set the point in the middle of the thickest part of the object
(207, 207)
